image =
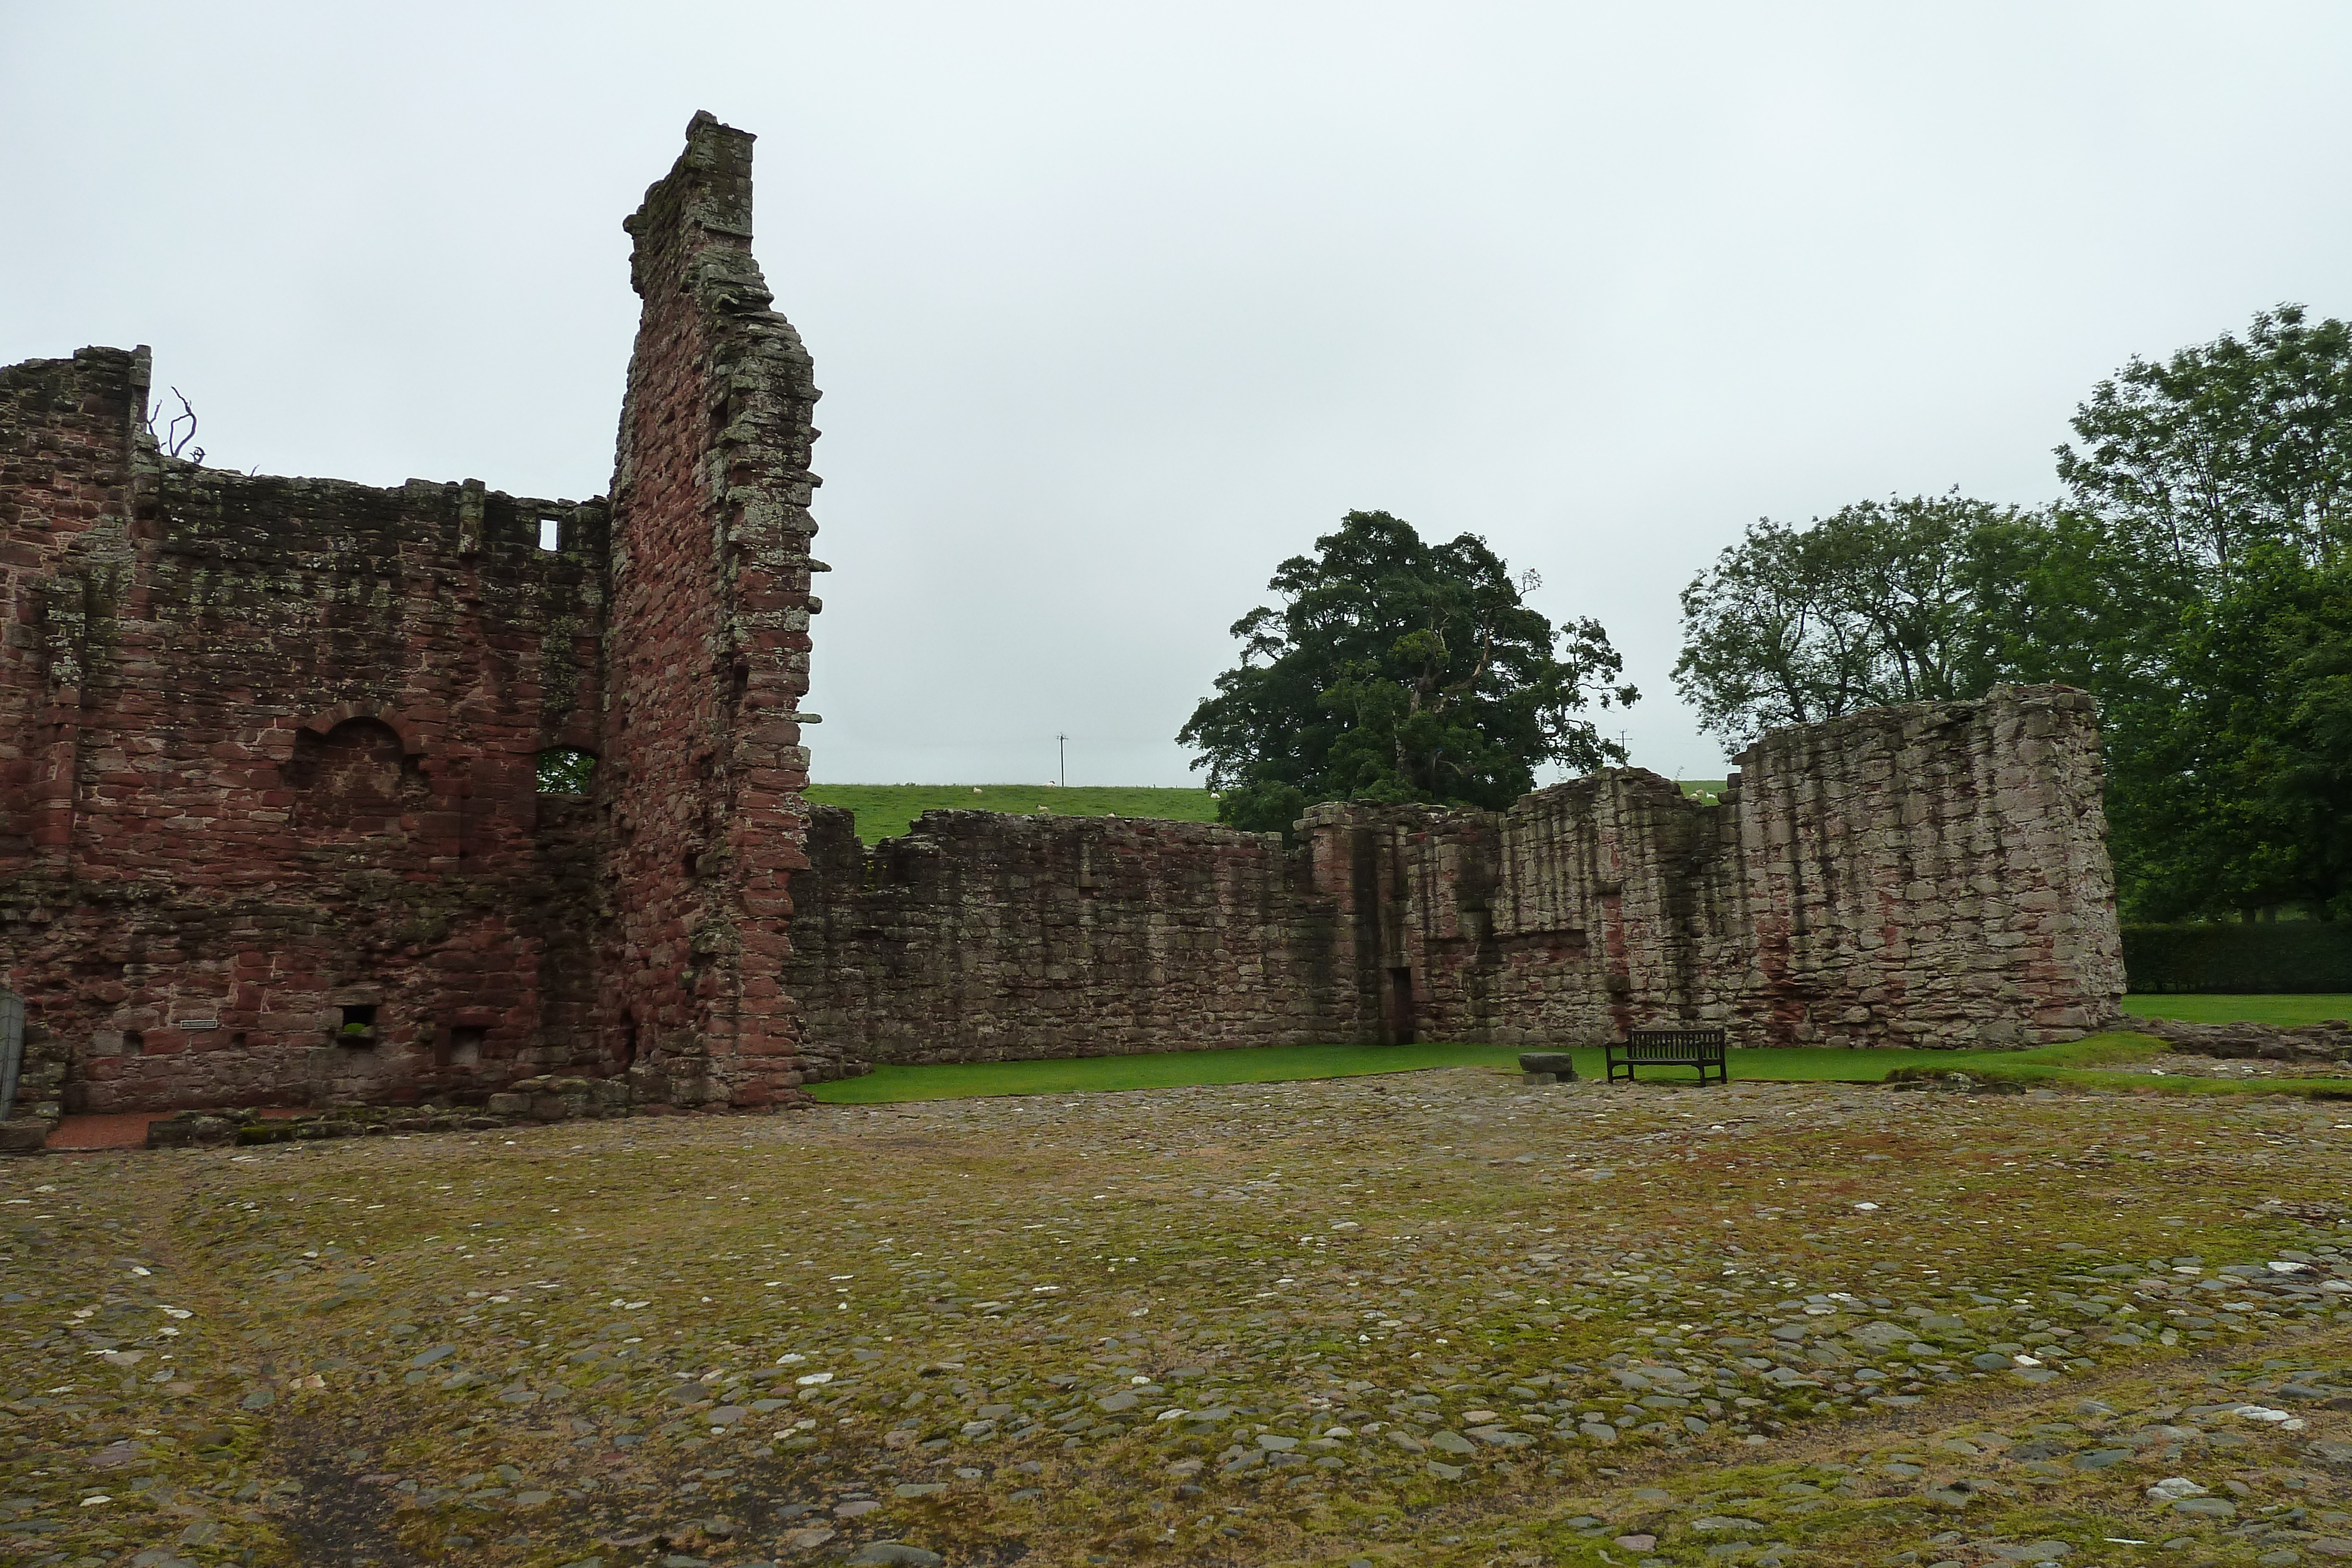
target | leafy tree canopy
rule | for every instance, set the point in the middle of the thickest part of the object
(2230, 781)
(1874, 604)
(1397, 669)
(564, 771)
(2196, 578)
(2228, 446)
(2199, 581)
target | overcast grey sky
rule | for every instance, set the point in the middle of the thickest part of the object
(1116, 306)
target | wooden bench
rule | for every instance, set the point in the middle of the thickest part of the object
(1700, 1048)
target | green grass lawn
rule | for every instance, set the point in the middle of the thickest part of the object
(1157, 1070)
(887, 811)
(2078, 1065)
(2286, 1012)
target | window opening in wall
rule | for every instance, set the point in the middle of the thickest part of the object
(565, 770)
(465, 1047)
(359, 1025)
(628, 1043)
(551, 534)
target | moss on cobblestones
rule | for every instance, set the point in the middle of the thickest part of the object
(1440, 1318)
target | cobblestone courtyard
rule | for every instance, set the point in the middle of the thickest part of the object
(1436, 1317)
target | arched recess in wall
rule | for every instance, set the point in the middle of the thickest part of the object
(354, 779)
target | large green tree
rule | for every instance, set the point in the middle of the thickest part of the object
(2230, 765)
(1873, 605)
(1398, 669)
(2195, 462)
(2195, 577)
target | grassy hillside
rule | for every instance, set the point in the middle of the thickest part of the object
(885, 811)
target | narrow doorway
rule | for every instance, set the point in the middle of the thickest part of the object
(1399, 1007)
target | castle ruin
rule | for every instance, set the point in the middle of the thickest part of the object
(1929, 875)
(271, 828)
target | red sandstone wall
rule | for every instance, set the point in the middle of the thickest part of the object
(1935, 874)
(984, 937)
(1931, 875)
(1928, 875)
(707, 645)
(1573, 917)
(292, 725)
(267, 744)
(67, 433)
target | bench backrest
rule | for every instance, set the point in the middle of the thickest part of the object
(1653, 1042)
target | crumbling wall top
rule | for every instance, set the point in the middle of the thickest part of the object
(704, 201)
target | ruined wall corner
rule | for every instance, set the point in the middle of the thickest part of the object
(707, 645)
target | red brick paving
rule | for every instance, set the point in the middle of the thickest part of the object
(114, 1129)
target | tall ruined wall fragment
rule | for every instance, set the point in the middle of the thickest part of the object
(982, 937)
(1934, 874)
(707, 646)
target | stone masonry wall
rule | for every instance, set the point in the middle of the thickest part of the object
(1929, 875)
(1578, 914)
(707, 645)
(983, 937)
(66, 429)
(283, 735)
(1935, 874)
(270, 832)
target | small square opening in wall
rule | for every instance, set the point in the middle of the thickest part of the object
(358, 1026)
(465, 1047)
(551, 534)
